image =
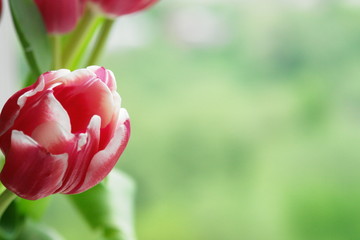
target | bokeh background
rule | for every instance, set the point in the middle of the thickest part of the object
(245, 120)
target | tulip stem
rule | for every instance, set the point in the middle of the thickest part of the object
(5, 199)
(56, 51)
(100, 41)
(82, 50)
(75, 41)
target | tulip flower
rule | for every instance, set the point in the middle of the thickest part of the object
(63, 134)
(115, 8)
(60, 16)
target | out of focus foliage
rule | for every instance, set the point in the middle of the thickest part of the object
(248, 130)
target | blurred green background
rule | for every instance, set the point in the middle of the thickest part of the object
(245, 120)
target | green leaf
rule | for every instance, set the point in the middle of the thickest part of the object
(108, 207)
(33, 209)
(17, 222)
(36, 231)
(11, 223)
(32, 35)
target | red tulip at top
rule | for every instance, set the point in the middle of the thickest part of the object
(115, 8)
(63, 134)
(60, 16)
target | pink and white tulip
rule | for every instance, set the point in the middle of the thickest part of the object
(115, 8)
(63, 134)
(60, 16)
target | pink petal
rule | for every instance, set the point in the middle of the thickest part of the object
(105, 160)
(75, 78)
(53, 137)
(10, 111)
(83, 97)
(41, 108)
(52, 77)
(140, 5)
(60, 16)
(104, 75)
(108, 132)
(30, 171)
(35, 109)
(115, 8)
(80, 159)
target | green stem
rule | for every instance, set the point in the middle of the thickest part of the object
(82, 50)
(75, 41)
(56, 51)
(30, 79)
(5, 199)
(2, 188)
(100, 41)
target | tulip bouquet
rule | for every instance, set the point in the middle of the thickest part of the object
(65, 130)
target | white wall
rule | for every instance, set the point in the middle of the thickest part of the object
(8, 65)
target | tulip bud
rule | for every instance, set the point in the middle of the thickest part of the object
(60, 16)
(115, 8)
(63, 134)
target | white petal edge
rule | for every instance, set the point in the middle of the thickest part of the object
(115, 143)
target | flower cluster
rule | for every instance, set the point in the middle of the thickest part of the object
(65, 132)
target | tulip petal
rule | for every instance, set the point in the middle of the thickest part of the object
(10, 111)
(41, 108)
(108, 132)
(60, 16)
(80, 159)
(38, 107)
(8, 116)
(104, 75)
(114, 8)
(85, 99)
(53, 76)
(76, 78)
(105, 160)
(30, 171)
(53, 137)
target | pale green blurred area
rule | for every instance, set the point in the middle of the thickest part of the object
(245, 119)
